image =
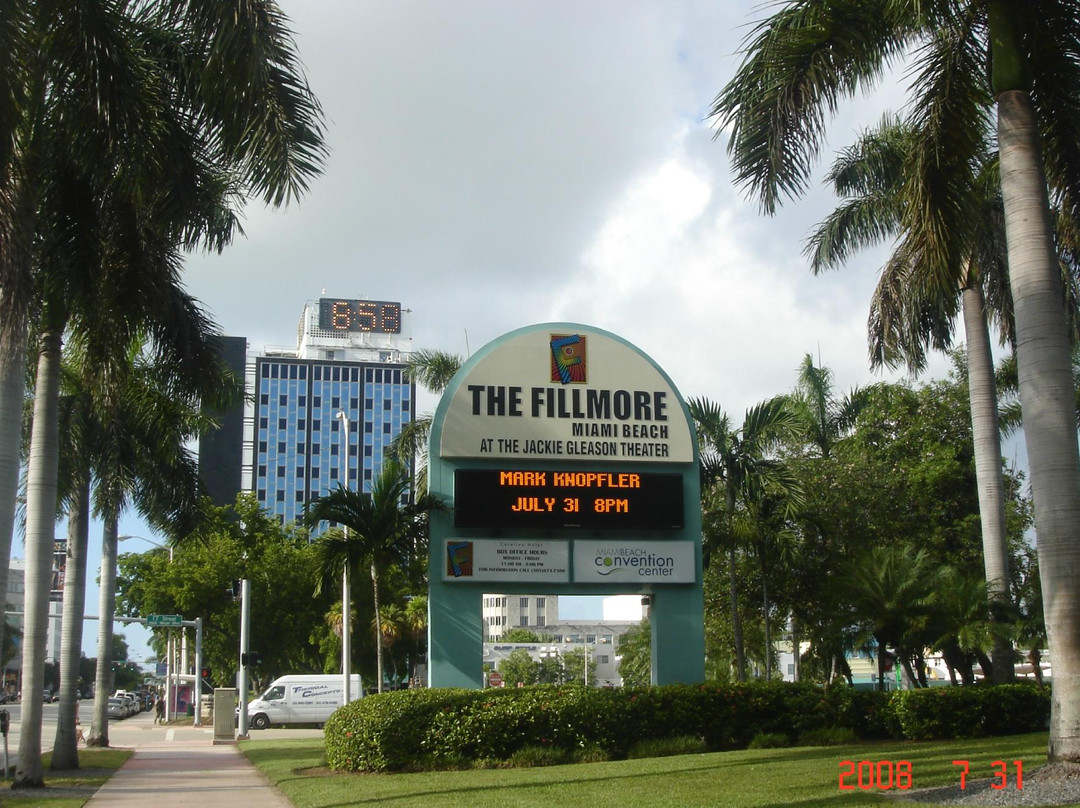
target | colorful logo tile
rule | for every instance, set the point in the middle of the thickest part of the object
(568, 358)
(459, 559)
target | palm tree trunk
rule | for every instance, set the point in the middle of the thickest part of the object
(12, 387)
(880, 665)
(1048, 402)
(796, 642)
(1035, 658)
(99, 728)
(18, 222)
(378, 627)
(65, 747)
(40, 530)
(733, 579)
(736, 622)
(982, 394)
(909, 669)
(768, 631)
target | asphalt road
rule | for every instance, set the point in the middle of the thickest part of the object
(48, 729)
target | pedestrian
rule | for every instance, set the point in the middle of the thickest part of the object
(159, 710)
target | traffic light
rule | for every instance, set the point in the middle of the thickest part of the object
(205, 672)
(251, 658)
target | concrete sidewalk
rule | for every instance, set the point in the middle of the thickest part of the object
(180, 766)
(185, 773)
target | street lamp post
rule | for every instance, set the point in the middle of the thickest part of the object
(149, 541)
(346, 597)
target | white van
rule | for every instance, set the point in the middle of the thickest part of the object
(301, 699)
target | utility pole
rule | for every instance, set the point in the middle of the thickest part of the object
(346, 595)
(245, 639)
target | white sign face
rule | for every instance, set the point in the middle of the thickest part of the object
(564, 394)
(502, 560)
(637, 562)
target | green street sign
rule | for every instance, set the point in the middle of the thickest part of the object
(164, 620)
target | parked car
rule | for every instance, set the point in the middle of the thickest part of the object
(129, 700)
(133, 703)
(117, 709)
(47, 696)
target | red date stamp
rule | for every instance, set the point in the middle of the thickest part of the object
(1000, 774)
(885, 775)
(875, 774)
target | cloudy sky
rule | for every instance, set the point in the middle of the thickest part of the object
(499, 164)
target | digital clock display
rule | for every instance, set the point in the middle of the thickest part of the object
(377, 316)
(501, 498)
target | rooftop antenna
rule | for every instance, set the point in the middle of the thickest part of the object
(468, 353)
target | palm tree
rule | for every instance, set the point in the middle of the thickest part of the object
(389, 630)
(433, 370)
(737, 467)
(382, 527)
(40, 522)
(962, 621)
(106, 267)
(775, 544)
(142, 423)
(969, 56)
(92, 260)
(889, 590)
(891, 191)
(100, 84)
(824, 418)
(168, 123)
(416, 621)
(74, 474)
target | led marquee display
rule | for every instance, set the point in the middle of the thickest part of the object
(503, 498)
(376, 316)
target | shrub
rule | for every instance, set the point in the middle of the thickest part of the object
(769, 740)
(591, 754)
(430, 729)
(666, 747)
(380, 733)
(828, 736)
(870, 713)
(971, 712)
(530, 756)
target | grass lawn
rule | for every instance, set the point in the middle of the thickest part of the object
(803, 776)
(70, 789)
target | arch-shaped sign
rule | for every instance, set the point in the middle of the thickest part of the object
(568, 462)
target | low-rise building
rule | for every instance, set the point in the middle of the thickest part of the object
(599, 640)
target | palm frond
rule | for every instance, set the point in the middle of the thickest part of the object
(799, 63)
(433, 369)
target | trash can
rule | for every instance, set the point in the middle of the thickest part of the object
(191, 710)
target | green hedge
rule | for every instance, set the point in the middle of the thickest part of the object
(430, 729)
(971, 712)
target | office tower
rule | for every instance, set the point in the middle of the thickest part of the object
(346, 370)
